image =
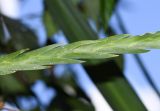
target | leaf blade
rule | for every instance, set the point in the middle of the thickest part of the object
(72, 53)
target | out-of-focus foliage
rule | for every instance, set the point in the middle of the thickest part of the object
(5, 85)
(100, 11)
(20, 36)
(73, 18)
(115, 87)
(70, 20)
(50, 26)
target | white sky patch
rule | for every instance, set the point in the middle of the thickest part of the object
(135, 76)
(10, 8)
(150, 99)
(10, 107)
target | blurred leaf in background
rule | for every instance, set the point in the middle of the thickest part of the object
(100, 11)
(49, 24)
(21, 36)
(77, 19)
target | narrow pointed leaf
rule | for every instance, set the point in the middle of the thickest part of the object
(72, 53)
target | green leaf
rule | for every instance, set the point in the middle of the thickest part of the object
(66, 17)
(100, 11)
(88, 49)
(1, 31)
(106, 10)
(49, 24)
(92, 8)
(10, 85)
(21, 35)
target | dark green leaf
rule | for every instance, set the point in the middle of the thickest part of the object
(21, 36)
(9, 85)
(49, 24)
(70, 20)
(106, 10)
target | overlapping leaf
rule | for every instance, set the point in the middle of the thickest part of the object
(89, 49)
(19, 35)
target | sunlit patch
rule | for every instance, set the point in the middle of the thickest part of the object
(10, 8)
